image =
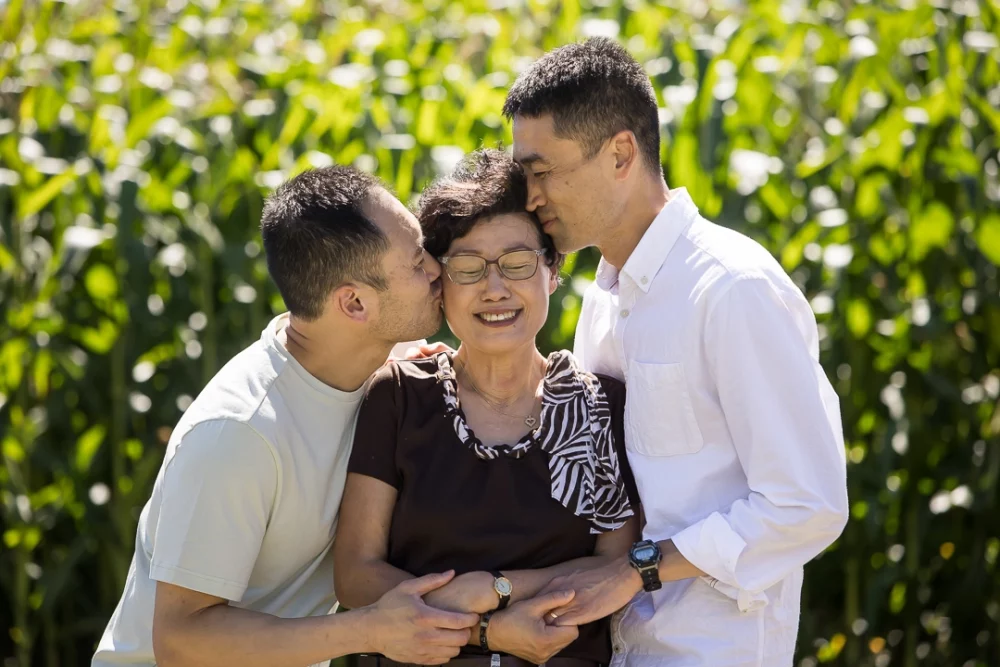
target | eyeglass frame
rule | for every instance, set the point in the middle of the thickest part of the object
(443, 260)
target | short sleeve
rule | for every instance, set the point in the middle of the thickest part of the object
(615, 391)
(217, 493)
(374, 451)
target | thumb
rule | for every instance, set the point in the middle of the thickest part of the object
(427, 583)
(546, 603)
(434, 348)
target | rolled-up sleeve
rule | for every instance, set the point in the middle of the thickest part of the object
(784, 418)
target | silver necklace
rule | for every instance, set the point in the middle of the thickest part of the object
(530, 421)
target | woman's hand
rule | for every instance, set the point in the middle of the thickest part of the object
(521, 629)
(471, 592)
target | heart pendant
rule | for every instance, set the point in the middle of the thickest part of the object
(530, 422)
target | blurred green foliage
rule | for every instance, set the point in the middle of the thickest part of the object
(856, 140)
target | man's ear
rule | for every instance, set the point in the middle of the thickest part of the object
(351, 301)
(625, 149)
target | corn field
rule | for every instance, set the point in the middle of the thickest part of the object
(857, 140)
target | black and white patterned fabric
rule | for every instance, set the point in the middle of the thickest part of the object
(575, 432)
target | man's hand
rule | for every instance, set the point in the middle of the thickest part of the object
(404, 628)
(426, 351)
(521, 629)
(469, 592)
(599, 592)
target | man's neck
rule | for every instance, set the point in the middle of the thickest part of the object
(504, 377)
(334, 357)
(639, 212)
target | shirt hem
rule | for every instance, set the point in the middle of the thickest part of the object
(195, 581)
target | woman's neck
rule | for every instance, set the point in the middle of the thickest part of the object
(504, 378)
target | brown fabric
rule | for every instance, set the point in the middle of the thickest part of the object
(457, 511)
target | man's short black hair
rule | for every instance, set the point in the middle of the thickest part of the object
(593, 90)
(486, 183)
(317, 237)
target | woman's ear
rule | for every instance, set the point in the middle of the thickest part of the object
(553, 279)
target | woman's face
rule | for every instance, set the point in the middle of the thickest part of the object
(497, 315)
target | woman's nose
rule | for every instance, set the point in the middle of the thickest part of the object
(495, 286)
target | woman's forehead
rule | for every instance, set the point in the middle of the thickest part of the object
(498, 234)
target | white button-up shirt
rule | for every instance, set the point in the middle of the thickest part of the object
(733, 432)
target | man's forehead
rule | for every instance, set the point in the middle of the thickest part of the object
(391, 215)
(536, 142)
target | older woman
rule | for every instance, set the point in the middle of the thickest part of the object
(494, 461)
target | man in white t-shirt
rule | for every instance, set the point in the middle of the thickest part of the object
(233, 562)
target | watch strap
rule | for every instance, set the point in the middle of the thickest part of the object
(484, 622)
(650, 578)
(504, 599)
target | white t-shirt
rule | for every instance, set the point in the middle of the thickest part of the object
(245, 505)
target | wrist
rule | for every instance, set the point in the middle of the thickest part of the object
(362, 628)
(628, 577)
(674, 565)
(490, 595)
(494, 632)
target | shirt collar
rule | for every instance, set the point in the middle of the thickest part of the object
(654, 246)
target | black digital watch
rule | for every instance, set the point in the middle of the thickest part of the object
(645, 557)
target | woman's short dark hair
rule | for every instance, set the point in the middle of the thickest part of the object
(317, 237)
(486, 183)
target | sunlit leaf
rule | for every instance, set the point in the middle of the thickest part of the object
(101, 282)
(87, 445)
(931, 228)
(988, 237)
(40, 198)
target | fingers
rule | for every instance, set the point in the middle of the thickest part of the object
(449, 638)
(434, 348)
(423, 585)
(574, 616)
(557, 584)
(449, 620)
(543, 604)
(425, 351)
(565, 635)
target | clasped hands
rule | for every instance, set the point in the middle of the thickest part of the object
(538, 628)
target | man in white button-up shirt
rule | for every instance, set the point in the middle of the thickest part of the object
(732, 429)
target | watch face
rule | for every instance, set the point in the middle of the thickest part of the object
(644, 553)
(503, 586)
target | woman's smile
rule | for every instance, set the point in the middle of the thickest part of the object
(499, 318)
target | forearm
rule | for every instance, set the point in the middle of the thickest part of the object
(364, 583)
(528, 583)
(222, 635)
(756, 542)
(673, 567)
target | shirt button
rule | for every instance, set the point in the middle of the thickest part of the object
(617, 648)
(624, 313)
(644, 280)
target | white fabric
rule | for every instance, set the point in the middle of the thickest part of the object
(246, 502)
(733, 432)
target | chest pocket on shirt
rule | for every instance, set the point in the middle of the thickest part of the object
(659, 416)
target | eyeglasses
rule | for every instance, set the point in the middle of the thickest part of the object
(470, 269)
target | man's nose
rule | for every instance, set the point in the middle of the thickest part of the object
(535, 197)
(431, 267)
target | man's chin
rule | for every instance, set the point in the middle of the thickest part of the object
(566, 246)
(431, 328)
